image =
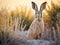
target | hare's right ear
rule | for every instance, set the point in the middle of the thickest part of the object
(34, 6)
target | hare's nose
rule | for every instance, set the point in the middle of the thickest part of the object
(36, 15)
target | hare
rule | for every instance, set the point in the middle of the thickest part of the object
(37, 27)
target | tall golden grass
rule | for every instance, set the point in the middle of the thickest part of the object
(11, 21)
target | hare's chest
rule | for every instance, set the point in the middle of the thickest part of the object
(39, 26)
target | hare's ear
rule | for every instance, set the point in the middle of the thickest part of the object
(43, 6)
(34, 6)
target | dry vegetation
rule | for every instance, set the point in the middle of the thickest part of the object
(20, 19)
(51, 17)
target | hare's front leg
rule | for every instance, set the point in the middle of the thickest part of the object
(32, 34)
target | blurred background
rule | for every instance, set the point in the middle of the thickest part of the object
(18, 15)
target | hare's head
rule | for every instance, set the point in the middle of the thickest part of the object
(38, 13)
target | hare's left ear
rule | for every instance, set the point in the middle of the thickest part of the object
(43, 6)
(34, 6)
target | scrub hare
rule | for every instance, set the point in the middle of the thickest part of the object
(37, 27)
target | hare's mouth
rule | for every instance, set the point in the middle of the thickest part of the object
(39, 20)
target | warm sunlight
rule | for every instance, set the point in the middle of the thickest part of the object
(29, 22)
(11, 4)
